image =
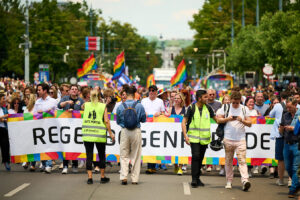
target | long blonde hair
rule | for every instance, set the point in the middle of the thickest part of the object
(94, 96)
(31, 101)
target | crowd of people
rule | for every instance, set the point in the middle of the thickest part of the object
(232, 108)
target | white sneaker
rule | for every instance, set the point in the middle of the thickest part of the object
(280, 182)
(255, 171)
(228, 185)
(289, 183)
(222, 172)
(48, 169)
(74, 169)
(184, 168)
(208, 169)
(249, 173)
(61, 166)
(65, 170)
(81, 164)
(246, 186)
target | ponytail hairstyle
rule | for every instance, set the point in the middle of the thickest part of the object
(94, 96)
(31, 101)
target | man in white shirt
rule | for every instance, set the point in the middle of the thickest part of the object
(44, 104)
(153, 106)
(235, 139)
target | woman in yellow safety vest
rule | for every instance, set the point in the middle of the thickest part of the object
(94, 126)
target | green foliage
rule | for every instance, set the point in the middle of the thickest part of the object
(54, 26)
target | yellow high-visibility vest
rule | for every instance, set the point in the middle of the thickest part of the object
(199, 129)
(93, 128)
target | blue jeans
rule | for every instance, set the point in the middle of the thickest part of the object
(47, 163)
(291, 161)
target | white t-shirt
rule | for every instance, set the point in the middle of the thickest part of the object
(235, 130)
(152, 107)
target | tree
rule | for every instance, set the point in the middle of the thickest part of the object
(280, 40)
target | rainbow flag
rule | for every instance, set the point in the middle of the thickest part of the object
(88, 65)
(181, 74)
(150, 80)
(119, 66)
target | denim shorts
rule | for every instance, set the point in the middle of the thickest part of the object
(279, 144)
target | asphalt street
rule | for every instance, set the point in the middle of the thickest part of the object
(22, 184)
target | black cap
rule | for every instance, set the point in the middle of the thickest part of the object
(153, 87)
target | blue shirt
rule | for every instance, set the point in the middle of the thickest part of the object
(276, 113)
(140, 111)
(297, 115)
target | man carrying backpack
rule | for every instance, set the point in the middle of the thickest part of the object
(129, 115)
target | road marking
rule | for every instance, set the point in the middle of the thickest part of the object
(186, 188)
(18, 189)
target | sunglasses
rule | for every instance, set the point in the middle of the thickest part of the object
(235, 103)
(211, 94)
(152, 90)
(51, 92)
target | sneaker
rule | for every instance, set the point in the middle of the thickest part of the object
(228, 185)
(81, 164)
(200, 183)
(271, 176)
(90, 181)
(65, 170)
(280, 182)
(263, 170)
(104, 180)
(179, 172)
(42, 169)
(25, 165)
(48, 169)
(194, 184)
(246, 186)
(249, 173)
(75, 169)
(255, 171)
(222, 172)
(61, 166)
(276, 174)
(7, 166)
(184, 168)
(291, 194)
(289, 183)
(124, 182)
(208, 169)
(32, 168)
(97, 171)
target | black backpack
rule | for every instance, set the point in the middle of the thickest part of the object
(220, 128)
(130, 116)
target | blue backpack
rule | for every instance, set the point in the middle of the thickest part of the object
(130, 116)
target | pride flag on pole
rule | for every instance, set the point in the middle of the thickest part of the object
(181, 74)
(150, 80)
(88, 65)
(119, 65)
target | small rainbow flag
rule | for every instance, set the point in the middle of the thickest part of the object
(181, 74)
(150, 80)
(88, 65)
(119, 66)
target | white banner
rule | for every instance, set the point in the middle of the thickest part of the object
(159, 138)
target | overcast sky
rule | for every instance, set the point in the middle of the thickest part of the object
(151, 17)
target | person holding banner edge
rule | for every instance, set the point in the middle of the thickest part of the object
(94, 125)
(196, 130)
